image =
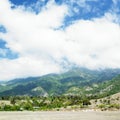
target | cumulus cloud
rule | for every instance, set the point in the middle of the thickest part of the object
(42, 46)
(96, 43)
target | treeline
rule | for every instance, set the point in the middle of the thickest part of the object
(20, 103)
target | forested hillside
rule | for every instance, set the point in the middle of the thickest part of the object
(78, 81)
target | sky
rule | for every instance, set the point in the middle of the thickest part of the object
(39, 37)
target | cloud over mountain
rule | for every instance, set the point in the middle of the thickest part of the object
(45, 43)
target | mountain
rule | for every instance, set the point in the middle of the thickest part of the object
(107, 88)
(78, 81)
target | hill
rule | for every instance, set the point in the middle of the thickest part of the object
(78, 81)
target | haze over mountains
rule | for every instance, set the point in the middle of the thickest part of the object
(77, 81)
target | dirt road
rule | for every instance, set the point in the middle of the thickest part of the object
(81, 115)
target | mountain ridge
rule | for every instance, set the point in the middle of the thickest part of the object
(77, 81)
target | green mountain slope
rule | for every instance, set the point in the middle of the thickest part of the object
(106, 88)
(78, 81)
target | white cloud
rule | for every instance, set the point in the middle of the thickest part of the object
(24, 67)
(99, 38)
(33, 37)
(92, 43)
(115, 1)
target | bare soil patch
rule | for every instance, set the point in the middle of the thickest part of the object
(61, 115)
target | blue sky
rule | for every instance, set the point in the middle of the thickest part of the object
(96, 8)
(80, 9)
(6, 52)
(54, 35)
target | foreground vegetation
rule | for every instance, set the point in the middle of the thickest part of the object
(21, 103)
(41, 103)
